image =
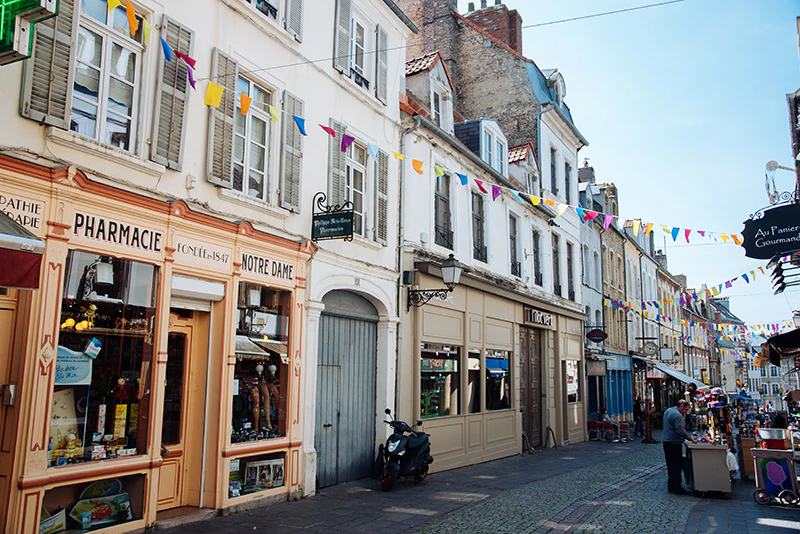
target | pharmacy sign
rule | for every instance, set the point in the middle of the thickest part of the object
(17, 18)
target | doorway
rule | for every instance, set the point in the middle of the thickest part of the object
(530, 402)
(180, 479)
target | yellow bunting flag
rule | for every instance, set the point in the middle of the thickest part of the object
(715, 291)
(244, 102)
(398, 155)
(275, 113)
(724, 237)
(561, 209)
(648, 228)
(666, 229)
(535, 200)
(147, 30)
(550, 202)
(213, 95)
(131, 12)
(114, 4)
(417, 164)
(438, 170)
(636, 223)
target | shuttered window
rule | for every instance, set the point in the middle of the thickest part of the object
(382, 198)
(171, 97)
(225, 71)
(294, 18)
(381, 65)
(292, 153)
(251, 141)
(356, 185)
(337, 166)
(341, 43)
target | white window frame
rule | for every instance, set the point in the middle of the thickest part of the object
(262, 115)
(368, 173)
(436, 107)
(500, 151)
(488, 143)
(110, 36)
(367, 70)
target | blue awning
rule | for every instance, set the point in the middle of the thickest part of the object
(497, 363)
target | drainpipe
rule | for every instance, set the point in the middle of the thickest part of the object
(400, 247)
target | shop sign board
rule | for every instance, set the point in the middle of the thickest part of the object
(331, 222)
(534, 316)
(17, 18)
(596, 335)
(438, 365)
(24, 211)
(595, 368)
(72, 368)
(202, 254)
(267, 269)
(776, 232)
(111, 231)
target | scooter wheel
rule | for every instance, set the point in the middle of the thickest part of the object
(762, 496)
(422, 473)
(389, 479)
(787, 497)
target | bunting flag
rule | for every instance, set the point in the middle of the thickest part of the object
(687, 234)
(480, 186)
(347, 140)
(636, 223)
(495, 191)
(702, 233)
(147, 30)
(114, 4)
(561, 209)
(607, 221)
(591, 215)
(519, 199)
(736, 239)
(648, 228)
(167, 50)
(244, 103)
(329, 131)
(275, 113)
(761, 268)
(417, 164)
(580, 214)
(398, 156)
(534, 200)
(189, 61)
(728, 284)
(190, 74)
(438, 171)
(724, 237)
(463, 178)
(131, 12)
(665, 229)
(675, 233)
(549, 202)
(373, 150)
(753, 274)
(301, 124)
(213, 95)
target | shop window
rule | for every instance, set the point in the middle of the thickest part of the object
(474, 381)
(262, 358)
(85, 506)
(498, 380)
(440, 380)
(102, 386)
(254, 474)
(573, 381)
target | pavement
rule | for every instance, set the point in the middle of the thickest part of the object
(587, 487)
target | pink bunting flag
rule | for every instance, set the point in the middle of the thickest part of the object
(330, 131)
(347, 140)
(495, 191)
(591, 215)
(189, 61)
(607, 221)
(480, 186)
(687, 232)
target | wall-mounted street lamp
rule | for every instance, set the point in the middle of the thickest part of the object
(451, 273)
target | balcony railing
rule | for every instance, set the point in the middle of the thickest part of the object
(443, 236)
(516, 268)
(479, 252)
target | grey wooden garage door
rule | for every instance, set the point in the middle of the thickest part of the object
(346, 376)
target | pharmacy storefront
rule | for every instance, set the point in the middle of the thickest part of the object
(157, 365)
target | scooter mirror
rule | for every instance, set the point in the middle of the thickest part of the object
(388, 411)
(419, 423)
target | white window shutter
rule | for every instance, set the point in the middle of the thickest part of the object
(172, 95)
(221, 122)
(382, 198)
(337, 163)
(294, 18)
(292, 153)
(46, 95)
(381, 65)
(341, 43)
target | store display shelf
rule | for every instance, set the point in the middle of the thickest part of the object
(255, 447)
(112, 332)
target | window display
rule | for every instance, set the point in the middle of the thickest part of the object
(498, 380)
(573, 379)
(262, 354)
(103, 363)
(440, 380)
(254, 474)
(474, 381)
(89, 506)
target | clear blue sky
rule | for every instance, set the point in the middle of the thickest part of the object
(683, 105)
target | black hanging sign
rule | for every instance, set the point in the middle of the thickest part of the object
(331, 222)
(772, 231)
(596, 335)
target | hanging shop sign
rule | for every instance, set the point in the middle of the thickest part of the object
(595, 368)
(596, 335)
(331, 222)
(773, 231)
(17, 18)
(533, 316)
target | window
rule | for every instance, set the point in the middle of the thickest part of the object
(261, 372)
(556, 266)
(361, 49)
(264, 7)
(598, 321)
(356, 184)
(573, 381)
(773, 371)
(538, 279)
(436, 104)
(553, 178)
(597, 274)
(474, 382)
(104, 359)
(107, 69)
(487, 147)
(499, 157)
(774, 389)
(568, 183)
(292, 15)
(570, 273)
(251, 141)
(478, 228)
(440, 380)
(357, 45)
(529, 183)
(763, 371)
(516, 269)
(586, 268)
(498, 380)
(443, 235)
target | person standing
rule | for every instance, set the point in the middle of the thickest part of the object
(673, 437)
(638, 414)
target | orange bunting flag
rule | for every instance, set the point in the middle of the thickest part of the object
(417, 164)
(761, 268)
(550, 202)
(648, 228)
(131, 12)
(213, 95)
(736, 239)
(534, 200)
(244, 102)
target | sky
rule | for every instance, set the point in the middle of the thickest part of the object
(682, 105)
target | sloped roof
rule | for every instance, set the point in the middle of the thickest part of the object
(519, 153)
(546, 95)
(723, 307)
(419, 64)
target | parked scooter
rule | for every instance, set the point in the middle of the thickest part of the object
(405, 455)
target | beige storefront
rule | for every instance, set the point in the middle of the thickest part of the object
(157, 366)
(481, 366)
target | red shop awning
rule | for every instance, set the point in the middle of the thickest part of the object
(20, 255)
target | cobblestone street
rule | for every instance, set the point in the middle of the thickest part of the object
(588, 487)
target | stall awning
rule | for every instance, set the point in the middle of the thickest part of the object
(686, 379)
(786, 345)
(20, 255)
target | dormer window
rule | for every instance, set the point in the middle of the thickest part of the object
(499, 156)
(436, 108)
(487, 147)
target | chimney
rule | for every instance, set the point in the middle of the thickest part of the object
(586, 173)
(661, 259)
(500, 23)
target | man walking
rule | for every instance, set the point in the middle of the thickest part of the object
(673, 437)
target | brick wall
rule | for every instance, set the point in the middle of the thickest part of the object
(499, 22)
